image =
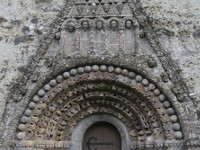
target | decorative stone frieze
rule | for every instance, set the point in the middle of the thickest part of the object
(87, 90)
(101, 58)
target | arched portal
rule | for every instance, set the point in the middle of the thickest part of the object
(56, 110)
(120, 129)
(101, 61)
(102, 136)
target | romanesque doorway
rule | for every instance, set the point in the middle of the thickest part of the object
(99, 63)
(102, 136)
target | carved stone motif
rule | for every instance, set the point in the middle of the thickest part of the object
(106, 7)
(99, 25)
(70, 26)
(91, 37)
(101, 7)
(153, 116)
(142, 34)
(129, 24)
(152, 62)
(114, 25)
(164, 77)
(148, 115)
(85, 25)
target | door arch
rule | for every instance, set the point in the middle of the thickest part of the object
(53, 113)
(102, 136)
(84, 125)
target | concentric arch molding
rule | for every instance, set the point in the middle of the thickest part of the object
(56, 109)
(83, 125)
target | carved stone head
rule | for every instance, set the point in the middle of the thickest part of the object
(99, 25)
(114, 25)
(128, 24)
(85, 25)
(70, 26)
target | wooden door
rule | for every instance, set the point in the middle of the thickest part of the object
(102, 136)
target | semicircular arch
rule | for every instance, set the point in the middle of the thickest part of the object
(97, 81)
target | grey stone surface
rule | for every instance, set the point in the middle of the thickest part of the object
(39, 42)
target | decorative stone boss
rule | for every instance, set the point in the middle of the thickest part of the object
(85, 25)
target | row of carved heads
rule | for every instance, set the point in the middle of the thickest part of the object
(99, 25)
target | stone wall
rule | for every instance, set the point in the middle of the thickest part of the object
(23, 25)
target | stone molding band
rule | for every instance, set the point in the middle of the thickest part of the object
(92, 74)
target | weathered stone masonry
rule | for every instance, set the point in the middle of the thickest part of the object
(100, 60)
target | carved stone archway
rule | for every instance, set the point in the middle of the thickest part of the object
(83, 125)
(53, 113)
(98, 61)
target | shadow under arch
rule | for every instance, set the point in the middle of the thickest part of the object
(83, 125)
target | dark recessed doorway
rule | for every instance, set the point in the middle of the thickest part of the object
(102, 136)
